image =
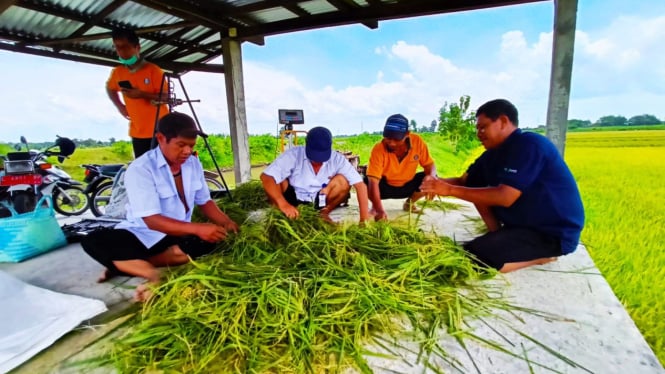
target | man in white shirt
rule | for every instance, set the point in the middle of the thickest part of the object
(302, 174)
(163, 186)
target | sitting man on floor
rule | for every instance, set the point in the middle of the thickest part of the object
(163, 185)
(301, 175)
(523, 190)
(391, 173)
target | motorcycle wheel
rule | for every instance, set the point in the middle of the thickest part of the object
(100, 198)
(24, 202)
(70, 201)
(216, 188)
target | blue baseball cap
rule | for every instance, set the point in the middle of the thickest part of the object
(396, 127)
(318, 146)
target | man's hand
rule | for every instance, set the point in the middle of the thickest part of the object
(435, 186)
(289, 210)
(133, 93)
(379, 214)
(123, 110)
(428, 178)
(231, 226)
(210, 232)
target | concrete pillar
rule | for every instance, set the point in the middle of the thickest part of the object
(235, 101)
(565, 18)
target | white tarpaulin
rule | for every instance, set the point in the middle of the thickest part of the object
(33, 318)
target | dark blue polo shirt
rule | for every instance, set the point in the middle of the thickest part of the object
(550, 202)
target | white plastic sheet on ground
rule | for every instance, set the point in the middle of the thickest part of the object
(33, 318)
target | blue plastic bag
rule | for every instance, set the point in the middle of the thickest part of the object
(30, 234)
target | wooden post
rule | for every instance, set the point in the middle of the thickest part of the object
(565, 18)
(235, 101)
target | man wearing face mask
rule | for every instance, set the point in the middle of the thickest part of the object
(391, 173)
(139, 81)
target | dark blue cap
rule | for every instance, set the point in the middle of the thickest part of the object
(396, 127)
(319, 144)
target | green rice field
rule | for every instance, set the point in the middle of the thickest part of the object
(621, 178)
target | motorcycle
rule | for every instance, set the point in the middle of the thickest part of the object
(18, 183)
(100, 182)
(42, 179)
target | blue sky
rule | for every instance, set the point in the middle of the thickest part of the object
(351, 78)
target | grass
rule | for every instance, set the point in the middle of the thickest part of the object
(620, 175)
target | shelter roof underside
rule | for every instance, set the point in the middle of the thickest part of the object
(184, 35)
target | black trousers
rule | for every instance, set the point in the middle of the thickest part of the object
(391, 192)
(108, 245)
(512, 244)
(141, 146)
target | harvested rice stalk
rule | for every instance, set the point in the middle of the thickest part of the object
(294, 296)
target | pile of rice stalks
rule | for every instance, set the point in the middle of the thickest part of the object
(295, 296)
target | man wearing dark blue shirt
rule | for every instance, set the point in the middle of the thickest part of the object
(523, 190)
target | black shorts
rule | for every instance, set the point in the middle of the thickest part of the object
(106, 246)
(514, 244)
(290, 196)
(391, 192)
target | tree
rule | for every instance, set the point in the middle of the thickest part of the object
(611, 121)
(413, 125)
(432, 126)
(644, 119)
(458, 124)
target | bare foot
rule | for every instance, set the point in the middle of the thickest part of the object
(108, 274)
(144, 292)
(409, 206)
(546, 260)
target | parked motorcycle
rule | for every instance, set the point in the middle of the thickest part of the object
(43, 179)
(100, 182)
(18, 183)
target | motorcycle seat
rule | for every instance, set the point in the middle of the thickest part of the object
(18, 156)
(110, 169)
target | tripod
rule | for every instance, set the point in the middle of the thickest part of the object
(172, 101)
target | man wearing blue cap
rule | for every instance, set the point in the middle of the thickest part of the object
(302, 175)
(391, 173)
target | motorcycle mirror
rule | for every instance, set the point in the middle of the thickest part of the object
(23, 140)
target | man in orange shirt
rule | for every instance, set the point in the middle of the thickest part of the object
(139, 82)
(391, 173)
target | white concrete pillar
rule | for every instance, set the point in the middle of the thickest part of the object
(565, 19)
(235, 101)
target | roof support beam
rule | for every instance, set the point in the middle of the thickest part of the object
(167, 8)
(97, 18)
(5, 4)
(565, 23)
(345, 6)
(402, 9)
(107, 35)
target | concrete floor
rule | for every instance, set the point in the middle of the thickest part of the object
(589, 325)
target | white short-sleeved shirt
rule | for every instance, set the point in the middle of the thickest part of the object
(151, 190)
(294, 166)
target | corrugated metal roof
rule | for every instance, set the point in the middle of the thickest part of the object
(182, 35)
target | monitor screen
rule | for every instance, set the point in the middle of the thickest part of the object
(291, 116)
